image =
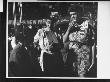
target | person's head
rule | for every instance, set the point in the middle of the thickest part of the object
(54, 15)
(74, 15)
(75, 11)
(48, 23)
(19, 33)
(89, 15)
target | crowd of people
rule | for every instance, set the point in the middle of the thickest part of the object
(55, 51)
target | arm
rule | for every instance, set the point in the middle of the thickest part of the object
(93, 55)
(36, 38)
(93, 46)
(65, 37)
(66, 41)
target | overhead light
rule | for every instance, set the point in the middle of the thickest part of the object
(54, 13)
(72, 13)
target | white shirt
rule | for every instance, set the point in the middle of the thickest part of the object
(44, 41)
(13, 42)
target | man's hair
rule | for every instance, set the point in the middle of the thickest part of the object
(75, 8)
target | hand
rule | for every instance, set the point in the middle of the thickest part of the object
(34, 44)
(71, 24)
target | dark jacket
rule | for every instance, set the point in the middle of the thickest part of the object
(20, 62)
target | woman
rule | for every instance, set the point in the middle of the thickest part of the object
(49, 57)
(77, 42)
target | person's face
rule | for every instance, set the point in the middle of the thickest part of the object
(48, 23)
(54, 15)
(73, 16)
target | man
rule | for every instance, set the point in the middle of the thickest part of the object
(49, 57)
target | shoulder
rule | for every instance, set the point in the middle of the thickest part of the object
(14, 53)
(16, 48)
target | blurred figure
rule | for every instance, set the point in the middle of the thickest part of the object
(20, 63)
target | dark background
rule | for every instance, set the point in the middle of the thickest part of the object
(3, 43)
(41, 9)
